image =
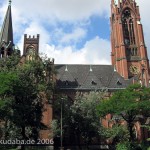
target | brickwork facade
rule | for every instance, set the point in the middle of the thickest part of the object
(129, 53)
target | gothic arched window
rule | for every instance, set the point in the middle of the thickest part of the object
(30, 53)
(128, 27)
(131, 31)
(128, 33)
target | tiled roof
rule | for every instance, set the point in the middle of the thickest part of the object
(88, 77)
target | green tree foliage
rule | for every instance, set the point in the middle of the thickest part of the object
(147, 127)
(123, 146)
(81, 123)
(116, 134)
(85, 119)
(130, 104)
(22, 87)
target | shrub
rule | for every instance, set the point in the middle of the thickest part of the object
(123, 146)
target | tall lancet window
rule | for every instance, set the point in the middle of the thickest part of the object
(128, 28)
(128, 33)
(131, 31)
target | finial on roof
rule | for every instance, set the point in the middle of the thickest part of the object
(91, 68)
(115, 68)
(66, 68)
(10, 2)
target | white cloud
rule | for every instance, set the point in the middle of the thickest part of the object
(144, 10)
(33, 30)
(68, 10)
(31, 18)
(95, 51)
(74, 36)
(75, 11)
(2, 13)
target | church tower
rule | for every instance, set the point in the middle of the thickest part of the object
(6, 34)
(129, 53)
(31, 46)
(31, 43)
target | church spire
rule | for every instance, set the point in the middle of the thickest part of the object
(6, 34)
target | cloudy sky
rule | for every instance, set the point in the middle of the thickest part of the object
(71, 31)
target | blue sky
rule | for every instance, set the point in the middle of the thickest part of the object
(71, 31)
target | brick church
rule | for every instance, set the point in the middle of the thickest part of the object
(130, 62)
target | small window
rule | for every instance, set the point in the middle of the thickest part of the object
(66, 82)
(93, 82)
(118, 82)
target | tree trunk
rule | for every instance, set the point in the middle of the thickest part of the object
(87, 142)
(22, 147)
(78, 140)
(130, 129)
(23, 137)
(130, 120)
(6, 130)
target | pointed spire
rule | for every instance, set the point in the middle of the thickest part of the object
(6, 33)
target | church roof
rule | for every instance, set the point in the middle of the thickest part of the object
(6, 34)
(88, 77)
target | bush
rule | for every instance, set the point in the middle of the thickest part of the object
(123, 146)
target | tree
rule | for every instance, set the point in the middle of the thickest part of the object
(116, 134)
(85, 119)
(80, 119)
(7, 78)
(21, 96)
(129, 104)
(27, 104)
